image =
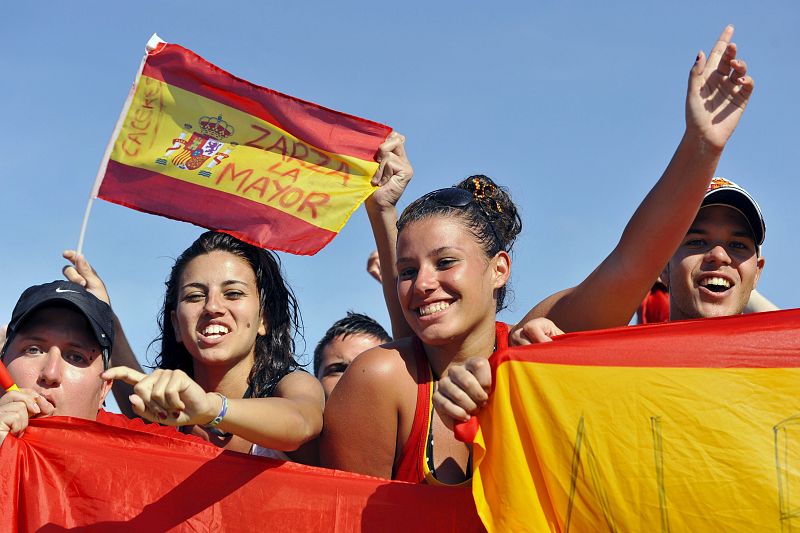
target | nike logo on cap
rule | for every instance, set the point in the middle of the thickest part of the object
(59, 289)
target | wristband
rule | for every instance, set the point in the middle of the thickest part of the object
(222, 412)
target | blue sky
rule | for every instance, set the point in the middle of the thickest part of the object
(575, 106)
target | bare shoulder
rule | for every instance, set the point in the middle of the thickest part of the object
(384, 362)
(298, 383)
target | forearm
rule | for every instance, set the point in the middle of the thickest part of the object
(275, 423)
(383, 220)
(610, 295)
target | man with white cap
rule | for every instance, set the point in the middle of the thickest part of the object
(712, 273)
(715, 269)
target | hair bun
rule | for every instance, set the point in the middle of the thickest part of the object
(497, 204)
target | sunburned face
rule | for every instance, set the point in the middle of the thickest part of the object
(446, 284)
(56, 354)
(337, 356)
(218, 313)
(716, 268)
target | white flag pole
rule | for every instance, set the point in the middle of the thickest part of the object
(151, 45)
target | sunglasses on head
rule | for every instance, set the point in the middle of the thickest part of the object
(457, 197)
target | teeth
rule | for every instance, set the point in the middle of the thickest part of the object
(433, 308)
(720, 282)
(215, 329)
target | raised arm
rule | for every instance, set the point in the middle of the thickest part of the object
(392, 177)
(719, 89)
(82, 273)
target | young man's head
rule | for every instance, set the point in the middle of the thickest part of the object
(344, 340)
(718, 263)
(58, 343)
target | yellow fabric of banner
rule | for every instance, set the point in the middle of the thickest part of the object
(596, 448)
(194, 139)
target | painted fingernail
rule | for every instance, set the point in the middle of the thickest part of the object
(175, 414)
(162, 416)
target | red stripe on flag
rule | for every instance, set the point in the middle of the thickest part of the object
(254, 223)
(726, 342)
(319, 126)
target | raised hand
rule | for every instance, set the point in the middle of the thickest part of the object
(374, 266)
(167, 396)
(394, 171)
(82, 273)
(719, 89)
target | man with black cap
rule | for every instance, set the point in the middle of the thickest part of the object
(715, 269)
(58, 343)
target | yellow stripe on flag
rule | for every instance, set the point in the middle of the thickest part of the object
(194, 139)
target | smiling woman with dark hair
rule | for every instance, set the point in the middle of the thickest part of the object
(453, 264)
(226, 368)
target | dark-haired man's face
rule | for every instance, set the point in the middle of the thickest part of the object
(56, 354)
(716, 266)
(337, 356)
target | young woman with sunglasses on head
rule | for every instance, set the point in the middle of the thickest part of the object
(452, 257)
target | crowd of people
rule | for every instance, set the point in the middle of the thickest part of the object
(226, 372)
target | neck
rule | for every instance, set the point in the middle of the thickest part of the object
(228, 380)
(478, 342)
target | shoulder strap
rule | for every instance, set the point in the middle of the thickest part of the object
(500, 336)
(409, 464)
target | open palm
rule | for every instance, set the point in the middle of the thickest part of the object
(719, 89)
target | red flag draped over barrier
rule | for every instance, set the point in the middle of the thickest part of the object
(68, 473)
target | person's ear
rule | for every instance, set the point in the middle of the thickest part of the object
(760, 266)
(105, 388)
(501, 265)
(664, 278)
(173, 318)
(262, 325)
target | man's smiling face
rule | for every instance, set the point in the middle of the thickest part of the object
(716, 266)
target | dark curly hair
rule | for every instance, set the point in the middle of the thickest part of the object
(274, 355)
(488, 212)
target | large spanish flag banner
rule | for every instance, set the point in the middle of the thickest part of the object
(80, 475)
(198, 144)
(688, 426)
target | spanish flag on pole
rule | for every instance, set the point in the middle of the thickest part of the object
(197, 144)
(686, 426)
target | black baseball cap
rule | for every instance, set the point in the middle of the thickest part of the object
(98, 313)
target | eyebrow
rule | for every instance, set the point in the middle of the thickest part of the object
(740, 233)
(226, 283)
(43, 340)
(437, 251)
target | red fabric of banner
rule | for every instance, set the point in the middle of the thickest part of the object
(68, 473)
(249, 221)
(321, 127)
